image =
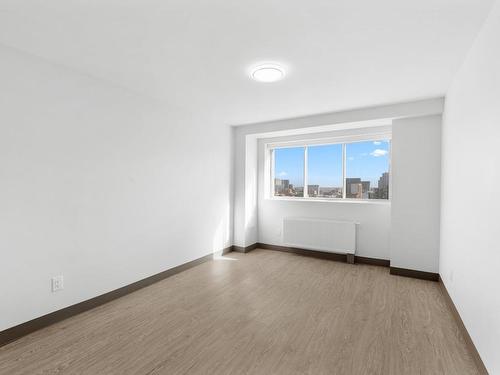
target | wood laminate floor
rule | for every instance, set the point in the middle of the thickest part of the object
(264, 312)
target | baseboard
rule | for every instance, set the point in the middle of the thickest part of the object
(227, 250)
(324, 255)
(372, 261)
(241, 249)
(304, 252)
(23, 329)
(414, 274)
(463, 329)
(357, 259)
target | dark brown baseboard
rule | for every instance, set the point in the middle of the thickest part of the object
(304, 252)
(241, 249)
(23, 329)
(414, 274)
(325, 255)
(227, 250)
(347, 258)
(463, 329)
(372, 261)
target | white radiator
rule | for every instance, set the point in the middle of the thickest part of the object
(320, 234)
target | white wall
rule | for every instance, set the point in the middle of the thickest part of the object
(99, 185)
(374, 218)
(245, 189)
(416, 190)
(470, 216)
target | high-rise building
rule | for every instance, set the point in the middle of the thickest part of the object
(281, 187)
(383, 181)
(382, 191)
(355, 188)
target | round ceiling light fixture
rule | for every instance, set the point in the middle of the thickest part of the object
(268, 73)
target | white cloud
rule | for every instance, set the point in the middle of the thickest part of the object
(378, 152)
(282, 174)
(377, 143)
(350, 158)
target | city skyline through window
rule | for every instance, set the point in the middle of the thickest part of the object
(289, 171)
(324, 169)
(362, 168)
(367, 168)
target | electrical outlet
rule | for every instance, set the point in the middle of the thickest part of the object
(57, 283)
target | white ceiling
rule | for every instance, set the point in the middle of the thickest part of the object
(339, 54)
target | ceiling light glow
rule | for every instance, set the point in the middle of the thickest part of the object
(268, 73)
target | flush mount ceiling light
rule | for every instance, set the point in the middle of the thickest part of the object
(268, 73)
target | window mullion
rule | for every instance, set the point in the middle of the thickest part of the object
(389, 146)
(306, 192)
(273, 177)
(343, 171)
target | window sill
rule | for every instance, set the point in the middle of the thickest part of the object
(333, 200)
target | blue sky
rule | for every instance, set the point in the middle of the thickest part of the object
(367, 160)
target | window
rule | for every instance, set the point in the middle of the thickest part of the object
(367, 170)
(324, 171)
(354, 170)
(289, 172)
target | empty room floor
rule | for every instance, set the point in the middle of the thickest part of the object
(264, 312)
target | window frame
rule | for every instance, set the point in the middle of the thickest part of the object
(343, 140)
